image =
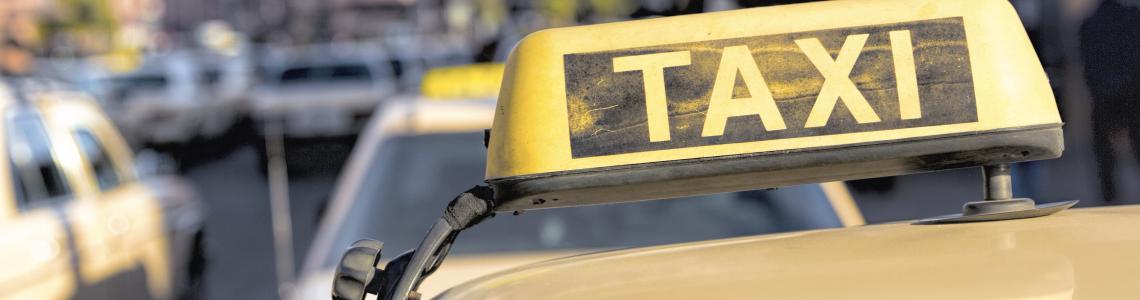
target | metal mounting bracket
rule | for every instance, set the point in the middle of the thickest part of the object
(999, 203)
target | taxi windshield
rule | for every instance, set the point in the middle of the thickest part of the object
(415, 177)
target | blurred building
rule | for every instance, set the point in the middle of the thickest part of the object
(75, 28)
(291, 21)
(307, 21)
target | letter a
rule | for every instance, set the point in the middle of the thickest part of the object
(736, 59)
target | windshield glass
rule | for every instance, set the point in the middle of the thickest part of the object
(143, 82)
(346, 72)
(413, 177)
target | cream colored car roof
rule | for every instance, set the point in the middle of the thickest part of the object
(1076, 254)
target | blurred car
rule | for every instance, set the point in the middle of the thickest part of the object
(176, 97)
(76, 220)
(322, 91)
(413, 55)
(462, 82)
(411, 159)
(87, 75)
(229, 80)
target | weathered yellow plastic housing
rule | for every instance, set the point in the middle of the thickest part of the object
(833, 90)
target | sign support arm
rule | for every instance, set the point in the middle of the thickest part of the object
(405, 272)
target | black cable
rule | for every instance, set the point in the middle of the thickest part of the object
(465, 211)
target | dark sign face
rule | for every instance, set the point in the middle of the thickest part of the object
(771, 87)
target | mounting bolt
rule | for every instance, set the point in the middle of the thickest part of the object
(998, 185)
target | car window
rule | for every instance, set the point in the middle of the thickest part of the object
(143, 82)
(397, 67)
(211, 76)
(295, 74)
(413, 178)
(332, 73)
(18, 189)
(126, 87)
(106, 176)
(355, 72)
(38, 178)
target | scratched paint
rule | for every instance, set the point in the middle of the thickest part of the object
(607, 107)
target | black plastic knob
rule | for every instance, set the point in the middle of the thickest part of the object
(357, 270)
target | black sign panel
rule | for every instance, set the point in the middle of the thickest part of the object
(816, 83)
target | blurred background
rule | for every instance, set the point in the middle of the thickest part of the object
(230, 149)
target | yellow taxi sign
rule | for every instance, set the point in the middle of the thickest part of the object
(463, 82)
(766, 97)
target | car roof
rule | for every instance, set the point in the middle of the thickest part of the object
(1076, 254)
(420, 115)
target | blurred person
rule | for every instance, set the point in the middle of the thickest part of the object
(1044, 24)
(18, 39)
(1110, 48)
(13, 59)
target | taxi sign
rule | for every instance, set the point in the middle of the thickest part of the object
(480, 80)
(766, 97)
